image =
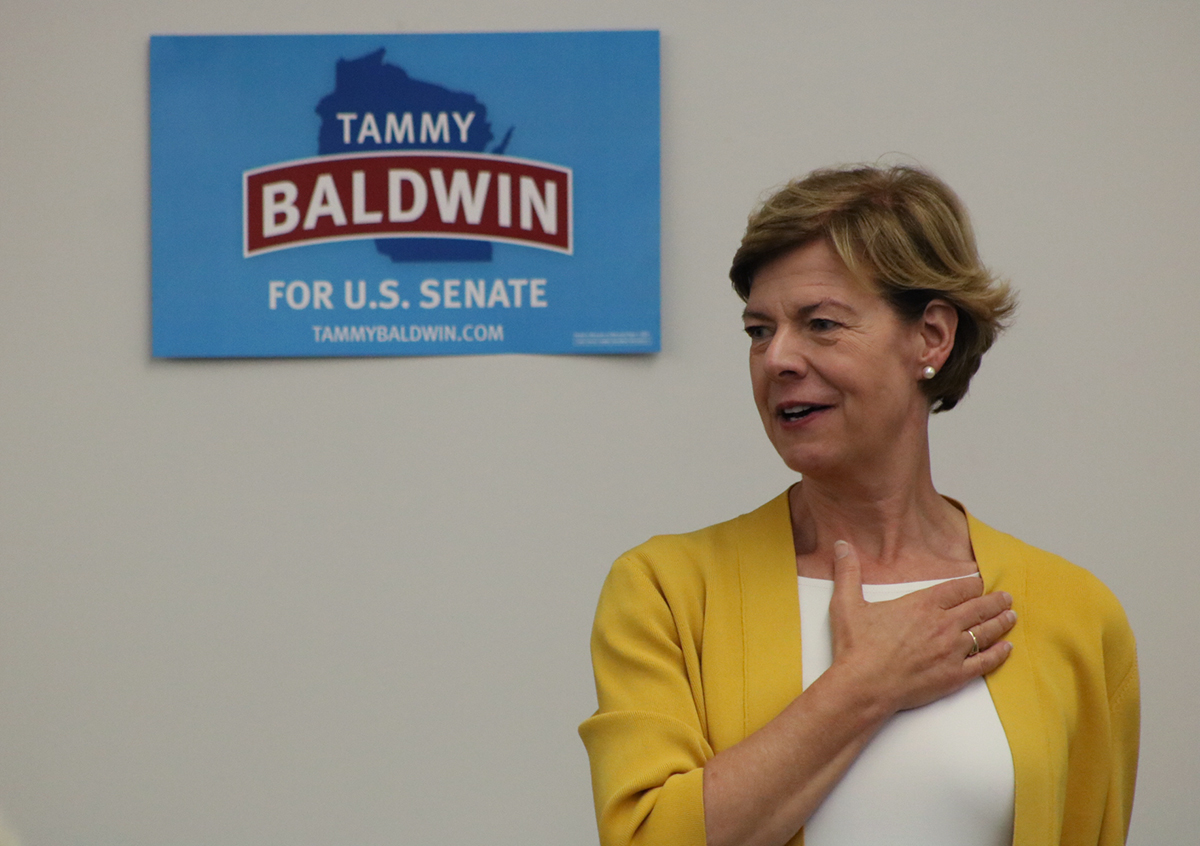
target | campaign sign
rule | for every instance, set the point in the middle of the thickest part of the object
(366, 195)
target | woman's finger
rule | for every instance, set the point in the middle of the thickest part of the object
(957, 591)
(983, 608)
(985, 634)
(847, 577)
(989, 659)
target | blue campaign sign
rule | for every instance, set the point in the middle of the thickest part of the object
(365, 195)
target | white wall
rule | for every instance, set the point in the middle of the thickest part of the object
(347, 602)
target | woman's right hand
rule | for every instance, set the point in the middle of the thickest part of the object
(887, 657)
(916, 649)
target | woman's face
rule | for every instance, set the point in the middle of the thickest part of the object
(836, 373)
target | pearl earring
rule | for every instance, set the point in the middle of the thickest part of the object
(929, 372)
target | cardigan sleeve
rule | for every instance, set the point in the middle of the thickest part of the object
(646, 742)
(1124, 704)
(1089, 662)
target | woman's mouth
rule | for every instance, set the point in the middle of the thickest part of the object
(798, 411)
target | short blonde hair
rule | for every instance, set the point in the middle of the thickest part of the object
(904, 233)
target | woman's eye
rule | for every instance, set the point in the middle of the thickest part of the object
(756, 332)
(822, 324)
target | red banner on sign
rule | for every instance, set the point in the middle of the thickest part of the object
(407, 195)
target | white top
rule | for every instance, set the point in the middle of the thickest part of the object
(940, 775)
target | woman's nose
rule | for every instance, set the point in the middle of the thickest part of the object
(785, 356)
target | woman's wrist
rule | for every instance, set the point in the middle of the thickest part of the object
(858, 693)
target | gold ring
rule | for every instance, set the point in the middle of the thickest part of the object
(974, 644)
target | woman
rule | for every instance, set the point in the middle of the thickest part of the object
(845, 664)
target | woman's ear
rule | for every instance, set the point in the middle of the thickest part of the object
(937, 327)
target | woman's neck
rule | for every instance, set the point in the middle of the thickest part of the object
(899, 525)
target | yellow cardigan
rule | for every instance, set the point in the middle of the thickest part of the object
(697, 645)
